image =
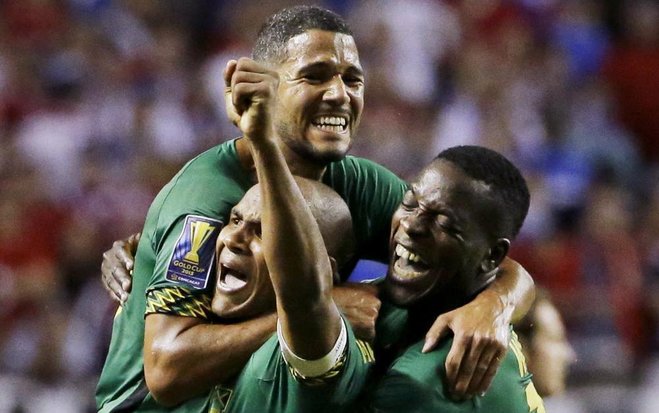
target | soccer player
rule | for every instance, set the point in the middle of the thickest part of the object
(308, 56)
(449, 235)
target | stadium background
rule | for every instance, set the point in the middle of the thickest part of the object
(101, 101)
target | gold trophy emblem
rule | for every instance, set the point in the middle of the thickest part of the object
(199, 233)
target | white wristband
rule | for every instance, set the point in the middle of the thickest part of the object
(318, 367)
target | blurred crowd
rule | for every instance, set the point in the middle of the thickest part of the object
(102, 101)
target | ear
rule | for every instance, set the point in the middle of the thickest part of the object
(495, 255)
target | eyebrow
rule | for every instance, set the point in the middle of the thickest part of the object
(439, 210)
(323, 65)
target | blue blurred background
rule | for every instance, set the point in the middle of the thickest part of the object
(101, 101)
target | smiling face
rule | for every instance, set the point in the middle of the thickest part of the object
(321, 95)
(441, 242)
(243, 288)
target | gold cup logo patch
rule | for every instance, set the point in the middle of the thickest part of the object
(199, 233)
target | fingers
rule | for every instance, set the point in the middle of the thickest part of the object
(490, 369)
(438, 330)
(360, 305)
(460, 347)
(110, 283)
(244, 86)
(124, 256)
(232, 114)
(477, 366)
(483, 358)
(132, 243)
(116, 266)
(250, 80)
(228, 72)
(363, 326)
(124, 263)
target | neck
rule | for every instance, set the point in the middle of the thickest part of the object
(298, 165)
(423, 314)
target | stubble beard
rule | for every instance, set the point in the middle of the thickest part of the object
(306, 150)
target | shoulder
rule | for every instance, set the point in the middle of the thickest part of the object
(208, 185)
(365, 184)
(413, 383)
(360, 168)
(217, 163)
(425, 367)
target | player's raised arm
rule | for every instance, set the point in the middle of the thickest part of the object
(294, 249)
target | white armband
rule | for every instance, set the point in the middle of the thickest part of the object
(318, 367)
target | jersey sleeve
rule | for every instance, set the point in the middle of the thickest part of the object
(268, 384)
(184, 270)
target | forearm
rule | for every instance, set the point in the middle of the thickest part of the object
(289, 230)
(184, 357)
(515, 289)
(297, 259)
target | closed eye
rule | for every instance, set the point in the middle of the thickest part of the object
(409, 201)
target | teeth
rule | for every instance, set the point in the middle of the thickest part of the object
(407, 273)
(402, 252)
(333, 123)
(406, 254)
(330, 128)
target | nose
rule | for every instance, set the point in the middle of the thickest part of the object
(236, 240)
(415, 224)
(336, 91)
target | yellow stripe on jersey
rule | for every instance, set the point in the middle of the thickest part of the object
(178, 301)
(516, 347)
(533, 399)
(366, 350)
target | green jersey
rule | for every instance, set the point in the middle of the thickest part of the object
(173, 267)
(415, 383)
(268, 385)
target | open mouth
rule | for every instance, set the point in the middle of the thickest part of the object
(231, 280)
(335, 124)
(408, 265)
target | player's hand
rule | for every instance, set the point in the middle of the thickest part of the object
(360, 304)
(117, 265)
(232, 113)
(481, 334)
(253, 90)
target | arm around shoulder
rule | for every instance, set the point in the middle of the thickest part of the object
(186, 356)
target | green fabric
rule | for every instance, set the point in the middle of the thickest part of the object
(266, 384)
(209, 186)
(414, 383)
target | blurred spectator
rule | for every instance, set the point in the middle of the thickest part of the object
(631, 69)
(545, 344)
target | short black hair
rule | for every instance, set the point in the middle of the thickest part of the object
(507, 184)
(271, 42)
